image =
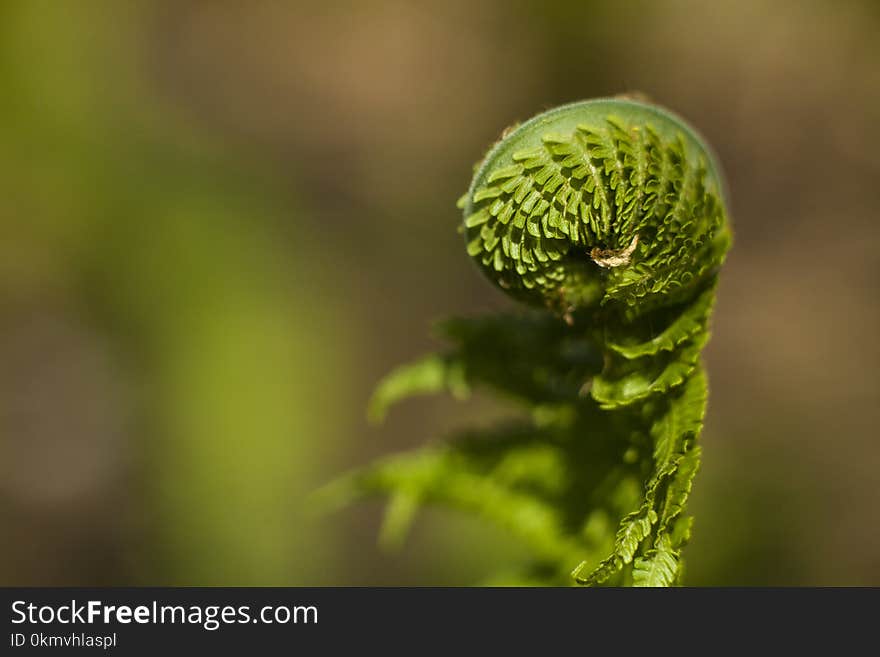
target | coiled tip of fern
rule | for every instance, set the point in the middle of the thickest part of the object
(609, 202)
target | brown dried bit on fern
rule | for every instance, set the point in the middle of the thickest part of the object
(614, 257)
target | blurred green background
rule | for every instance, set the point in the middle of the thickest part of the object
(222, 222)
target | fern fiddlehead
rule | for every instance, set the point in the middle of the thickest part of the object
(607, 219)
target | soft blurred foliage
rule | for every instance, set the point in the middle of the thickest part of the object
(221, 222)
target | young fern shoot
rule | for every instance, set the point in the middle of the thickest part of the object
(606, 219)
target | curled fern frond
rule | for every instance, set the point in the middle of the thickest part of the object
(607, 219)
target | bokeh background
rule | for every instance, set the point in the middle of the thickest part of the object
(221, 222)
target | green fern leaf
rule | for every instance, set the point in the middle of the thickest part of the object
(690, 321)
(628, 381)
(428, 375)
(658, 567)
(607, 218)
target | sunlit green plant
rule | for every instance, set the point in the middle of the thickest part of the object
(607, 219)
